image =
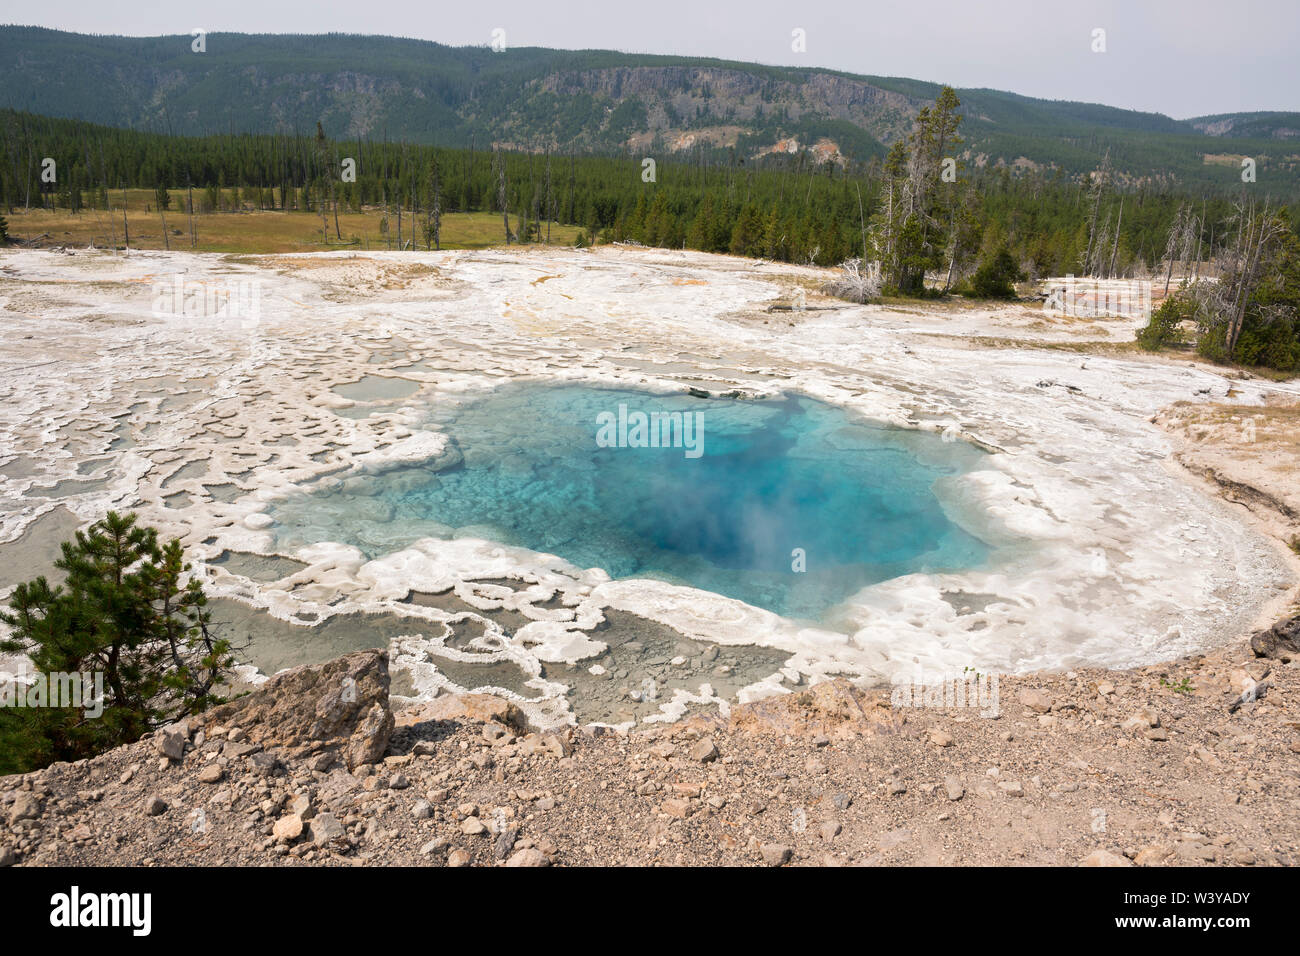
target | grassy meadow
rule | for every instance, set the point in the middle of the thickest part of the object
(249, 230)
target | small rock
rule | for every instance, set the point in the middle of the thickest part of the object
(557, 745)
(954, 788)
(1144, 718)
(287, 828)
(505, 842)
(528, 857)
(154, 806)
(775, 854)
(302, 806)
(26, 806)
(458, 858)
(263, 763)
(318, 763)
(433, 846)
(212, 773)
(679, 807)
(170, 741)
(472, 826)
(1105, 858)
(704, 750)
(325, 828)
(1035, 700)
(1152, 854)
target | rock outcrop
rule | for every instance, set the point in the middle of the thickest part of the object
(1281, 641)
(339, 708)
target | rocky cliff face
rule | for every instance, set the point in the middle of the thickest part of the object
(696, 95)
(1162, 765)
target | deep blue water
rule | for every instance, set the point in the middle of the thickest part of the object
(770, 477)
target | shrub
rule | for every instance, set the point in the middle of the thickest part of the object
(996, 277)
(124, 616)
(1164, 328)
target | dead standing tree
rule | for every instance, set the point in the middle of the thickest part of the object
(1172, 243)
(1183, 232)
(328, 166)
(433, 224)
(1100, 179)
(499, 168)
(1260, 230)
(1222, 306)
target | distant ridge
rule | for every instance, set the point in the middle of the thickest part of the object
(594, 101)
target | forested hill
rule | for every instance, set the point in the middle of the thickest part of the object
(372, 87)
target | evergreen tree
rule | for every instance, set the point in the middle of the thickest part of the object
(995, 277)
(124, 615)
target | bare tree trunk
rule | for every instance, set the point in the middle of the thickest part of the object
(952, 256)
(548, 195)
(863, 220)
(190, 188)
(112, 223)
(499, 162)
(437, 209)
(335, 203)
(1114, 253)
(1196, 273)
(1171, 245)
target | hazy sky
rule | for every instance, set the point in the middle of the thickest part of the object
(1180, 57)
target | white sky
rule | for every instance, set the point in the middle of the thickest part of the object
(1180, 57)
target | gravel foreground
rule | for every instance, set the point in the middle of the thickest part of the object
(1147, 767)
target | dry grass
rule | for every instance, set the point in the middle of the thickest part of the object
(1275, 425)
(249, 231)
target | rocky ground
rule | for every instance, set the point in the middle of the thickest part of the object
(1158, 766)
